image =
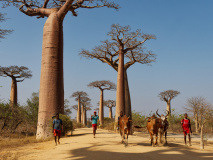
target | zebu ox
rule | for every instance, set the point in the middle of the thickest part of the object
(153, 124)
(163, 127)
(124, 124)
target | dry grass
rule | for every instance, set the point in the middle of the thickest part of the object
(8, 144)
(9, 155)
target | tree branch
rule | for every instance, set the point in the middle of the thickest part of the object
(65, 8)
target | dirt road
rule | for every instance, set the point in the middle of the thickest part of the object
(107, 146)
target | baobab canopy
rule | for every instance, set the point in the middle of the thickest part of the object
(42, 8)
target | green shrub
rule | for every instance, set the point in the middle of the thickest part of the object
(67, 124)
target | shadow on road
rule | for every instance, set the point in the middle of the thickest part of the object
(173, 152)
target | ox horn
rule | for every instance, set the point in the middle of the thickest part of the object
(157, 113)
(167, 113)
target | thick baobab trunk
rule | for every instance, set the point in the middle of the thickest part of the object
(110, 112)
(51, 93)
(101, 108)
(168, 107)
(83, 115)
(128, 108)
(13, 93)
(201, 137)
(79, 110)
(120, 95)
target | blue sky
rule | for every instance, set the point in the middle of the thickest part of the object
(184, 31)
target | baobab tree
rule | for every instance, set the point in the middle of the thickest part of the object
(124, 44)
(3, 32)
(167, 96)
(78, 95)
(51, 95)
(85, 102)
(102, 85)
(110, 104)
(17, 74)
(193, 106)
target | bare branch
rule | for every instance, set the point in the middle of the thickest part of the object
(75, 107)
(3, 32)
(121, 37)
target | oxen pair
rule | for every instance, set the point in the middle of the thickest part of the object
(155, 125)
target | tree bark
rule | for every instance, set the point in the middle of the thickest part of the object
(201, 138)
(168, 107)
(101, 108)
(128, 107)
(110, 112)
(128, 110)
(120, 95)
(83, 115)
(79, 110)
(51, 93)
(13, 93)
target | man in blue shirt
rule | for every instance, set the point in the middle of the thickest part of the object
(94, 119)
(57, 128)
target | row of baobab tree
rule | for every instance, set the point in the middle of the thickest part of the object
(122, 44)
(84, 100)
(18, 74)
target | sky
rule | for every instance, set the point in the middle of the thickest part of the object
(184, 31)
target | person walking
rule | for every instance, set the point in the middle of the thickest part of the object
(57, 128)
(94, 119)
(186, 126)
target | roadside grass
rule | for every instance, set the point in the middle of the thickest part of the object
(9, 144)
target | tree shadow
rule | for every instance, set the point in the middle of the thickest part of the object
(81, 134)
(174, 152)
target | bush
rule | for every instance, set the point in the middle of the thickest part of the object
(175, 121)
(11, 117)
(77, 125)
(67, 124)
(138, 119)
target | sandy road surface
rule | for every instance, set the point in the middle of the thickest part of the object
(107, 146)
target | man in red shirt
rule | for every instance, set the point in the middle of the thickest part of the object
(185, 123)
